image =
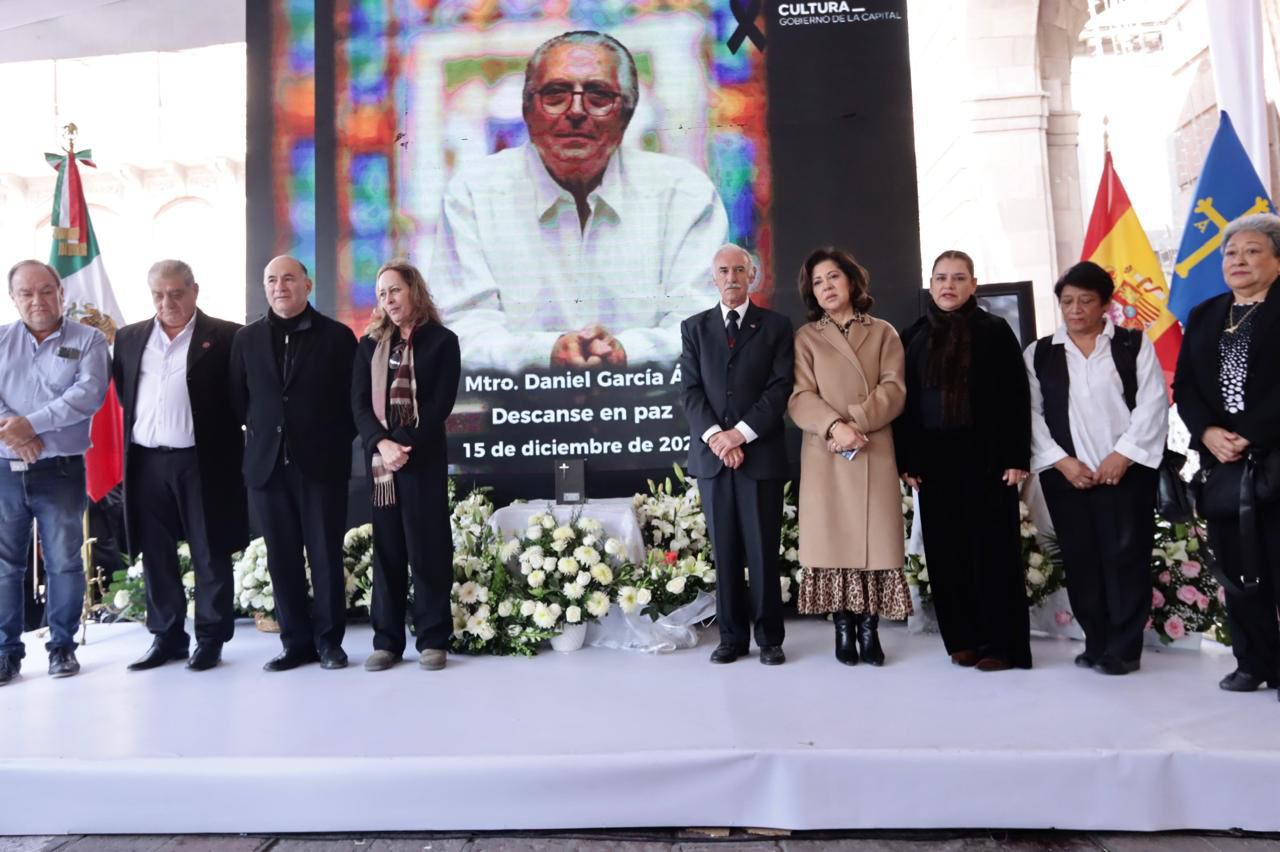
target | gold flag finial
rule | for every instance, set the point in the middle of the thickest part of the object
(69, 133)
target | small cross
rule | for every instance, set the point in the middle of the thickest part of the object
(563, 467)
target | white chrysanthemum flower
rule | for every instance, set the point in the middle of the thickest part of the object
(573, 591)
(628, 599)
(613, 547)
(504, 609)
(468, 593)
(602, 573)
(509, 550)
(676, 585)
(536, 578)
(543, 617)
(533, 554)
(122, 599)
(563, 534)
(598, 604)
(573, 615)
(643, 596)
(586, 555)
(568, 565)
(533, 533)
(560, 545)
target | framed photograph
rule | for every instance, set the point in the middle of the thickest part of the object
(1012, 302)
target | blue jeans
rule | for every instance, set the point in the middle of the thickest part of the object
(52, 493)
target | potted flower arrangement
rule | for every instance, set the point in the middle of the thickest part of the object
(357, 566)
(666, 583)
(670, 516)
(789, 546)
(488, 616)
(126, 595)
(1186, 600)
(252, 586)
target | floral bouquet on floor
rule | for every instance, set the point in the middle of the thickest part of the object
(126, 595)
(357, 565)
(565, 574)
(251, 582)
(789, 546)
(665, 583)
(488, 615)
(1185, 597)
(1041, 559)
(670, 516)
(915, 569)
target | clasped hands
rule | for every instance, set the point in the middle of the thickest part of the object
(845, 437)
(1083, 477)
(1226, 446)
(727, 445)
(1012, 476)
(17, 435)
(592, 346)
(394, 455)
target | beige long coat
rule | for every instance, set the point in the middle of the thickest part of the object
(850, 511)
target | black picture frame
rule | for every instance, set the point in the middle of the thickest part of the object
(1012, 301)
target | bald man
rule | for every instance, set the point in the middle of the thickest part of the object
(291, 384)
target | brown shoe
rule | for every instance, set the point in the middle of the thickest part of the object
(968, 659)
(432, 659)
(993, 664)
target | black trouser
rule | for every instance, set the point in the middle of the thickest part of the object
(744, 523)
(972, 545)
(413, 532)
(165, 493)
(1105, 535)
(1255, 631)
(296, 512)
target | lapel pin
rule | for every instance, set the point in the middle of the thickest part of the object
(205, 345)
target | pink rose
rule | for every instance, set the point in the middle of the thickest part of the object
(1157, 599)
(1191, 569)
(1164, 578)
(1174, 628)
(1063, 618)
(1222, 596)
(1203, 603)
(1188, 594)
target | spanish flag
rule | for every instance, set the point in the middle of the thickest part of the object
(1116, 242)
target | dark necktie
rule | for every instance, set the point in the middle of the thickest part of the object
(731, 328)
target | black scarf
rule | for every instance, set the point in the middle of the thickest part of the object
(950, 357)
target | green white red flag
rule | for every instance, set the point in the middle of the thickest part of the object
(89, 300)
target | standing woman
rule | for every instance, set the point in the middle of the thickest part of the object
(964, 441)
(848, 390)
(403, 388)
(1099, 416)
(1227, 388)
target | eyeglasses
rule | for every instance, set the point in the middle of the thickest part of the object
(397, 356)
(597, 101)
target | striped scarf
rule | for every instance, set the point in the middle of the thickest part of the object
(403, 400)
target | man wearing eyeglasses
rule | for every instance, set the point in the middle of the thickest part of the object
(571, 251)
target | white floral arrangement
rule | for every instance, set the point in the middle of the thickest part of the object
(126, 595)
(565, 574)
(357, 566)
(789, 546)
(665, 583)
(670, 517)
(1185, 596)
(251, 583)
(915, 569)
(488, 615)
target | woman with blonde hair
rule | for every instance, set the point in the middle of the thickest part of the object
(403, 388)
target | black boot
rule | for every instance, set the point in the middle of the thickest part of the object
(846, 637)
(869, 639)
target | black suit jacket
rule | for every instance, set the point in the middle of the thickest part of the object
(1196, 389)
(751, 382)
(306, 414)
(437, 365)
(219, 438)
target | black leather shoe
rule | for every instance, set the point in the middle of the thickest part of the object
(1110, 665)
(771, 655)
(727, 653)
(869, 640)
(846, 637)
(63, 662)
(1084, 661)
(206, 656)
(10, 667)
(291, 660)
(1239, 681)
(157, 655)
(333, 658)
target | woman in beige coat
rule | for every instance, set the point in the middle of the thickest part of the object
(848, 389)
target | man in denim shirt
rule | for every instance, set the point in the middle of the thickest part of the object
(53, 377)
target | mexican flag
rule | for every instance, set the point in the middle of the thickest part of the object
(88, 300)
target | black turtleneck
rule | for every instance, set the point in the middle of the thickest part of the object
(281, 328)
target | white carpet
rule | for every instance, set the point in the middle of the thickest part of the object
(603, 738)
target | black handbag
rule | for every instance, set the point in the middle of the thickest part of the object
(1234, 491)
(1173, 497)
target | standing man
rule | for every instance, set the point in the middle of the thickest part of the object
(53, 382)
(736, 368)
(182, 465)
(291, 384)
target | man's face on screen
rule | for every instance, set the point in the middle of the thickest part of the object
(575, 145)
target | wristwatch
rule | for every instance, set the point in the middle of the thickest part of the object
(832, 428)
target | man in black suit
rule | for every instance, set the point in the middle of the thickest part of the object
(182, 465)
(291, 384)
(736, 369)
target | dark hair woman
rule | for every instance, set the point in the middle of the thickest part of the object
(964, 441)
(403, 387)
(848, 390)
(1226, 389)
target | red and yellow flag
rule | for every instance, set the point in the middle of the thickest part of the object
(1116, 242)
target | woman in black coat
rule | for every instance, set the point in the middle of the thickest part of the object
(1227, 389)
(403, 388)
(964, 441)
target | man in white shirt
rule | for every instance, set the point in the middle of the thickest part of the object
(182, 466)
(1099, 417)
(568, 251)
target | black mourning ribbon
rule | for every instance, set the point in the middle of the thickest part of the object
(746, 28)
(731, 329)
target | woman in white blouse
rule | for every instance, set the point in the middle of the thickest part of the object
(1099, 417)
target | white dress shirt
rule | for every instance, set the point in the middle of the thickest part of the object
(1100, 421)
(163, 414)
(741, 425)
(513, 268)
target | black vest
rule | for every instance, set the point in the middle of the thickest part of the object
(1055, 380)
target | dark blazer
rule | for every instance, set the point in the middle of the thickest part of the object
(437, 366)
(1196, 389)
(751, 382)
(308, 411)
(219, 438)
(999, 397)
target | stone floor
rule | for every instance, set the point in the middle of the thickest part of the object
(657, 841)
